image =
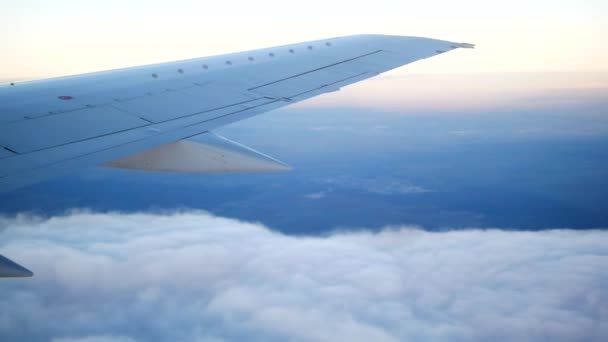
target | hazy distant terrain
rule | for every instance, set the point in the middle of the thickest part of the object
(544, 167)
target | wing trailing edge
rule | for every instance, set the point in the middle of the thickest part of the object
(203, 153)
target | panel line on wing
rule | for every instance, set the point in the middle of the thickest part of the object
(145, 123)
(240, 110)
(143, 113)
(125, 143)
(130, 113)
(330, 84)
(315, 70)
(237, 112)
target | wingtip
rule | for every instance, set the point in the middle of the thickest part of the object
(10, 269)
(466, 45)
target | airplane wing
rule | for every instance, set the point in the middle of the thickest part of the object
(112, 117)
(160, 117)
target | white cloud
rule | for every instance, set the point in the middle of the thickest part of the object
(382, 185)
(194, 277)
(463, 132)
(315, 195)
(334, 128)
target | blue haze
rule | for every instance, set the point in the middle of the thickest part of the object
(520, 169)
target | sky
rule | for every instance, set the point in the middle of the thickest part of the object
(69, 36)
(463, 197)
(526, 40)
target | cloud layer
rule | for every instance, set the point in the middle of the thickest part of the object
(195, 277)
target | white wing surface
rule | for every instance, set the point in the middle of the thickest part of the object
(159, 117)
